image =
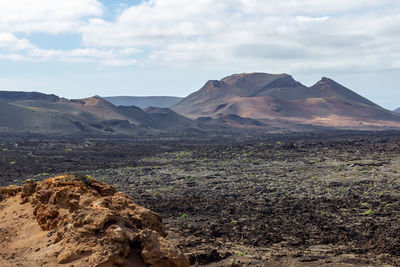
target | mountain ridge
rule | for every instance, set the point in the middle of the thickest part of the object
(11, 96)
(90, 115)
(248, 101)
(263, 96)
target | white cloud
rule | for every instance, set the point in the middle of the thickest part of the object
(290, 35)
(217, 33)
(104, 57)
(49, 16)
(309, 7)
(11, 42)
(16, 49)
(13, 57)
(311, 19)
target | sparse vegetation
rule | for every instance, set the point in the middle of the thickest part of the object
(210, 192)
(369, 212)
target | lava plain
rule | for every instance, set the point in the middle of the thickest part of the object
(313, 201)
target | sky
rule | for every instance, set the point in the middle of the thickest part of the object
(81, 48)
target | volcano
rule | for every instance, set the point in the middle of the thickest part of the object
(279, 97)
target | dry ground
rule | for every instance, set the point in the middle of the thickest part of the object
(22, 242)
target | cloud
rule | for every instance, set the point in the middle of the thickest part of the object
(280, 36)
(105, 57)
(217, 33)
(21, 49)
(48, 16)
(311, 19)
(11, 42)
(309, 7)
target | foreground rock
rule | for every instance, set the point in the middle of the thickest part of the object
(82, 222)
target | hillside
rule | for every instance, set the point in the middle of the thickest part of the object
(89, 115)
(11, 96)
(240, 102)
(262, 96)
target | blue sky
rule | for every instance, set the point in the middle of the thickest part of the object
(80, 48)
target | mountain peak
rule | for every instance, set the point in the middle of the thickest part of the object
(332, 89)
(271, 96)
(94, 101)
(326, 80)
(250, 84)
(257, 79)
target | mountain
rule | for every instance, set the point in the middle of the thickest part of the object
(144, 101)
(278, 97)
(11, 96)
(163, 118)
(247, 103)
(44, 114)
(397, 110)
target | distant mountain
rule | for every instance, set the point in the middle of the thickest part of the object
(90, 115)
(247, 103)
(397, 110)
(144, 101)
(11, 96)
(278, 97)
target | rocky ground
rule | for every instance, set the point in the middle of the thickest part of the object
(282, 201)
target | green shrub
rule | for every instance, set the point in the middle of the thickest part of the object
(369, 212)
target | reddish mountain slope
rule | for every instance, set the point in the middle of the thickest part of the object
(263, 96)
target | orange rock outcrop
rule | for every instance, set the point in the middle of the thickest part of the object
(93, 225)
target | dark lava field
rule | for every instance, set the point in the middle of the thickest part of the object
(282, 200)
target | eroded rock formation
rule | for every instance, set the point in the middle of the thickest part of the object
(95, 225)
